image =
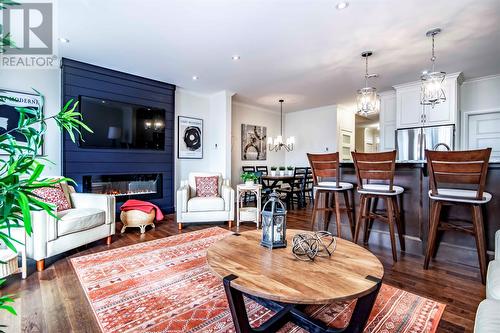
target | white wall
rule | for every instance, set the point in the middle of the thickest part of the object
(480, 111)
(215, 110)
(315, 131)
(48, 83)
(480, 94)
(218, 133)
(197, 106)
(248, 114)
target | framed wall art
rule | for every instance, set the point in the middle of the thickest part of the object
(190, 138)
(253, 142)
(9, 116)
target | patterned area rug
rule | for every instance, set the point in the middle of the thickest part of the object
(165, 285)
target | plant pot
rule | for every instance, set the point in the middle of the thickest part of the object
(282, 173)
(249, 182)
(290, 172)
(273, 173)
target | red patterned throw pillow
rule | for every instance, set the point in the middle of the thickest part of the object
(53, 195)
(207, 186)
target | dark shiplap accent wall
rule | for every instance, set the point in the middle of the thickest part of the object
(84, 79)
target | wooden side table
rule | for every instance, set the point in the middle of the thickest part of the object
(245, 213)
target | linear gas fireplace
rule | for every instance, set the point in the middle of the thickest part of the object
(125, 186)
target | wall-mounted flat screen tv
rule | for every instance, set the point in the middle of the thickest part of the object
(119, 125)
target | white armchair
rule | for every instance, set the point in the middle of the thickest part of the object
(90, 218)
(192, 209)
(488, 314)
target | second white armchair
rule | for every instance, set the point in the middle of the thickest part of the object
(194, 209)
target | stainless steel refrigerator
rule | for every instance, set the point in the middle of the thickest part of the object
(412, 142)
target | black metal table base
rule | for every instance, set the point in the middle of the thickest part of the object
(293, 313)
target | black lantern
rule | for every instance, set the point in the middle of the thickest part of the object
(273, 223)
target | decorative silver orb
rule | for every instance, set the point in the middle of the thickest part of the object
(308, 246)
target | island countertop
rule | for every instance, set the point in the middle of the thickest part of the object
(455, 246)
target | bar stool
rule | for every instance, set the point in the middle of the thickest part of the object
(465, 168)
(325, 168)
(379, 167)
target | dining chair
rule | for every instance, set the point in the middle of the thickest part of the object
(262, 169)
(295, 189)
(248, 168)
(458, 178)
(378, 167)
(326, 182)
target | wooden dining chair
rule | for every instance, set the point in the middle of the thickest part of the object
(262, 169)
(326, 182)
(295, 190)
(458, 178)
(378, 167)
(248, 168)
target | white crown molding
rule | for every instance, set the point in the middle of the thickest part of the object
(319, 108)
(257, 108)
(454, 76)
(482, 78)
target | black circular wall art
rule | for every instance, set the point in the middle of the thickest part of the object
(192, 138)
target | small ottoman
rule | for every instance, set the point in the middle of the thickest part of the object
(137, 218)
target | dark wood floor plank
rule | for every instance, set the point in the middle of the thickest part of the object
(54, 301)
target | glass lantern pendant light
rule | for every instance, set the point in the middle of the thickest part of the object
(432, 91)
(368, 100)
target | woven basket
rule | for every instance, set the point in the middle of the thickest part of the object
(137, 218)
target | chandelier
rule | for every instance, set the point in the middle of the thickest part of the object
(277, 144)
(368, 100)
(432, 91)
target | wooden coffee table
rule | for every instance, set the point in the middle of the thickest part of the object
(278, 281)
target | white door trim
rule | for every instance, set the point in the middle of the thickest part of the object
(464, 124)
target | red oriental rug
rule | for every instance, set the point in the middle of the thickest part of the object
(165, 285)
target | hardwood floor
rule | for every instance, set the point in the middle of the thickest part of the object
(53, 301)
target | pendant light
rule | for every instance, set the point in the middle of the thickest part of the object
(368, 100)
(277, 144)
(432, 83)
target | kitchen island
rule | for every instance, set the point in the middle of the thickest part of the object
(454, 246)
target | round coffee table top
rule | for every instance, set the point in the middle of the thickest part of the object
(350, 272)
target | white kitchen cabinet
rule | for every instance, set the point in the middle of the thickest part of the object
(410, 113)
(387, 120)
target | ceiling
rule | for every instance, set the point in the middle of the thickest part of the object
(305, 51)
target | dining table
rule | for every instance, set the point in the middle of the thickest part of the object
(271, 182)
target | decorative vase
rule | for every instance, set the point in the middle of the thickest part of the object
(273, 173)
(249, 182)
(282, 172)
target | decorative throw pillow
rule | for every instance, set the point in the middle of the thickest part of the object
(53, 195)
(207, 186)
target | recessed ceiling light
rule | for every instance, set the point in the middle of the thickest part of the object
(236, 57)
(342, 5)
(195, 78)
(63, 40)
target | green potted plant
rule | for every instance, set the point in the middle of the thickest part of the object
(282, 170)
(21, 169)
(273, 170)
(249, 178)
(290, 170)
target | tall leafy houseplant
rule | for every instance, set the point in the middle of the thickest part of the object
(20, 170)
(5, 40)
